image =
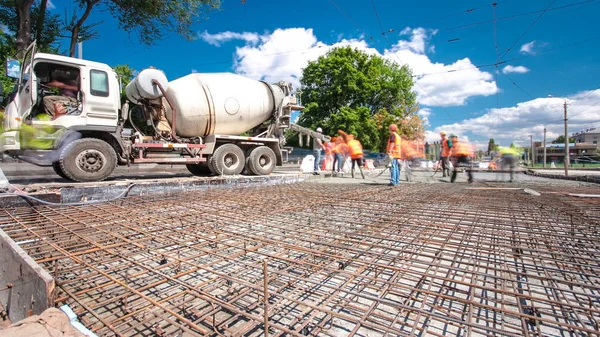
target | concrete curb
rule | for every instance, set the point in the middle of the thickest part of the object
(586, 178)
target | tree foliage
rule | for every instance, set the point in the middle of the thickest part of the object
(492, 146)
(43, 26)
(561, 140)
(126, 75)
(359, 93)
(148, 19)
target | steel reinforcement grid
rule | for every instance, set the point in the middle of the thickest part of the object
(327, 260)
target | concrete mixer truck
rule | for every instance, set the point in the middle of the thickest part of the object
(219, 123)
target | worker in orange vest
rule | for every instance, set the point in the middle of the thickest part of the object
(355, 150)
(394, 151)
(446, 145)
(411, 156)
(461, 153)
(328, 151)
(339, 151)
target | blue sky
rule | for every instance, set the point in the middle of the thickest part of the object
(442, 41)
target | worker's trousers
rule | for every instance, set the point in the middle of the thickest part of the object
(395, 172)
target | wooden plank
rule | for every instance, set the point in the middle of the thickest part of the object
(29, 288)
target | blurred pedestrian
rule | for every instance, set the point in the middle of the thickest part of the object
(339, 151)
(411, 156)
(461, 153)
(317, 147)
(394, 151)
(446, 145)
(355, 150)
(509, 159)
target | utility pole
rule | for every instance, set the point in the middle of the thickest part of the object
(566, 142)
(532, 154)
(544, 147)
(80, 49)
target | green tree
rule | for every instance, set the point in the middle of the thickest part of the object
(26, 21)
(359, 93)
(561, 140)
(7, 49)
(149, 19)
(492, 147)
(126, 74)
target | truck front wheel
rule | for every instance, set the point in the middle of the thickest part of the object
(228, 159)
(88, 159)
(261, 161)
(58, 170)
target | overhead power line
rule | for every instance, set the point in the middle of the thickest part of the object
(526, 30)
(487, 65)
(519, 15)
(400, 61)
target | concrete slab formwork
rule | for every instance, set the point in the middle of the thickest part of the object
(341, 260)
(26, 289)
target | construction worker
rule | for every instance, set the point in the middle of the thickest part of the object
(394, 151)
(355, 150)
(328, 151)
(339, 150)
(411, 157)
(509, 157)
(317, 147)
(446, 145)
(461, 153)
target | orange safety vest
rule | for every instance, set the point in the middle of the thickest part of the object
(356, 151)
(445, 148)
(340, 148)
(461, 149)
(328, 148)
(394, 147)
(408, 152)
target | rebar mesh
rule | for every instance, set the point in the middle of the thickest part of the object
(342, 260)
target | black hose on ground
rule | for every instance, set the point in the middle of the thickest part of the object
(30, 198)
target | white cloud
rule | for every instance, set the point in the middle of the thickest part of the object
(13, 69)
(50, 5)
(194, 71)
(425, 113)
(219, 38)
(516, 123)
(527, 48)
(518, 69)
(282, 54)
(437, 87)
(5, 29)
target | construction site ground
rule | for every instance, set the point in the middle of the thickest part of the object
(330, 256)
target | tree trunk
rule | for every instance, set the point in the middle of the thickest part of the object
(23, 33)
(75, 29)
(39, 25)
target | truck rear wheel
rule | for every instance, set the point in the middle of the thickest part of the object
(58, 170)
(200, 169)
(228, 159)
(88, 159)
(261, 161)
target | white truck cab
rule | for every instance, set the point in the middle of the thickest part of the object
(98, 96)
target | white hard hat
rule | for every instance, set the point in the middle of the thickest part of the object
(319, 130)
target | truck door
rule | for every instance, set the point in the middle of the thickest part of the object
(102, 97)
(27, 94)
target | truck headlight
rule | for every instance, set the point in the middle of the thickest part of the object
(8, 141)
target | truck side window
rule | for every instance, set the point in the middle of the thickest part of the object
(99, 83)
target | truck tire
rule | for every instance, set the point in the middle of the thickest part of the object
(228, 159)
(58, 170)
(261, 161)
(88, 159)
(200, 169)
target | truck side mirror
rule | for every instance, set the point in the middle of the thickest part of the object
(13, 68)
